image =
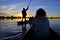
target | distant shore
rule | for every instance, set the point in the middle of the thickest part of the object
(19, 17)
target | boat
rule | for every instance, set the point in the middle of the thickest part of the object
(25, 22)
(22, 22)
(29, 35)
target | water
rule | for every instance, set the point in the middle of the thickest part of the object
(10, 27)
(55, 25)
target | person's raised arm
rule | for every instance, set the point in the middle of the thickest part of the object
(27, 8)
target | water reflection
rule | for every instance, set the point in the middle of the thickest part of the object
(9, 27)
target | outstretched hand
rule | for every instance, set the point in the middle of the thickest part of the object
(27, 7)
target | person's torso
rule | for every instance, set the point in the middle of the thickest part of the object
(24, 12)
(41, 26)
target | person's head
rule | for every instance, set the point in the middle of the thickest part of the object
(23, 8)
(40, 12)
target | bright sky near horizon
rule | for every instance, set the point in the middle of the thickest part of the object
(14, 7)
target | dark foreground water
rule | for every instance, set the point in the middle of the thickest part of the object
(10, 28)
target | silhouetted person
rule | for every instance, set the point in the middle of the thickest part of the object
(24, 12)
(40, 25)
(24, 16)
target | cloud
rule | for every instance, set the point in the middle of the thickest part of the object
(4, 0)
(9, 8)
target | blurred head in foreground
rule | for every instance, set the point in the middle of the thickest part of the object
(40, 12)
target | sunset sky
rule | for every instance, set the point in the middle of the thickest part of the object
(14, 7)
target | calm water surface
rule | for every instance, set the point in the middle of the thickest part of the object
(10, 27)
